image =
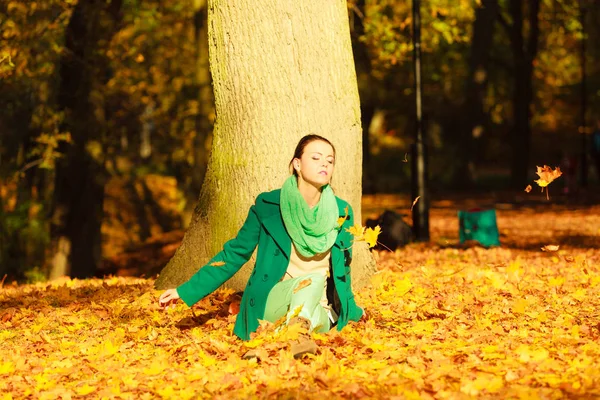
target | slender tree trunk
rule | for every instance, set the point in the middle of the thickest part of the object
(80, 175)
(524, 52)
(281, 69)
(473, 113)
(366, 88)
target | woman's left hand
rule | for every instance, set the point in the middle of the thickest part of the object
(364, 317)
(170, 296)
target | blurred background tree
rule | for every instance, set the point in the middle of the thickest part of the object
(107, 111)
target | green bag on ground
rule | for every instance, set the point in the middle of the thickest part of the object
(479, 225)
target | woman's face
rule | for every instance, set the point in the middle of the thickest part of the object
(316, 164)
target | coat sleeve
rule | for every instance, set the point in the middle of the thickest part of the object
(354, 311)
(236, 252)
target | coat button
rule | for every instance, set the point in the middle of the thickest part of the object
(251, 302)
(277, 252)
(265, 277)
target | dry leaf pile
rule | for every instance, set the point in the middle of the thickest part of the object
(444, 322)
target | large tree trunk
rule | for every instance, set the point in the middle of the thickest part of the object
(80, 174)
(473, 113)
(281, 69)
(524, 52)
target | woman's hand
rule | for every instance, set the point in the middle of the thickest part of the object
(170, 296)
(364, 317)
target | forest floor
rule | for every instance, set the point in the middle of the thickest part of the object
(446, 321)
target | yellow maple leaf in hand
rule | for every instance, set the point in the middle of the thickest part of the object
(357, 231)
(547, 175)
(341, 220)
(371, 235)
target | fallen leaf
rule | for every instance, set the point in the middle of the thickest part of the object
(303, 283)
(341, 220)
(550, 247)
(217, 263)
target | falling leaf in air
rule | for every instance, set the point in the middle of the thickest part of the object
(528, 188)
(217, 263)
(550, 248)
(405, 157)
(414, 202)
(371, 235)
(303, 283)
(547, 175)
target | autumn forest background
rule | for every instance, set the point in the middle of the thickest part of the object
(118, 100)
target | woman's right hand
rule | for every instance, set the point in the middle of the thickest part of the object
(170, 296)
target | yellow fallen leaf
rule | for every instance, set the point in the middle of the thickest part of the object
(7, 368)
(303, 283)
(341, 220)
(550, 247)
(217, 263)
(85, 390)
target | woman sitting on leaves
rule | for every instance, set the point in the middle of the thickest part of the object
(304, 254)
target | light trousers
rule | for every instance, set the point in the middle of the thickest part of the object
(286, 296)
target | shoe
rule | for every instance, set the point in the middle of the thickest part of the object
(250, 354)
(304, 344)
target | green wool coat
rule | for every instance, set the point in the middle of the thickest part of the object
(264, 227)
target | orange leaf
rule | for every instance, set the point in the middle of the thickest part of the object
(304, 283)
(217, 263)
(550, 247)
(547, 175)
(414, 202)
(528, 188)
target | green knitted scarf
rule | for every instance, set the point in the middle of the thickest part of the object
(313, 230)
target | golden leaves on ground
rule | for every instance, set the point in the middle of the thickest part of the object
(450, 323)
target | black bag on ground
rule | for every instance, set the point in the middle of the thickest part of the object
(395, 232)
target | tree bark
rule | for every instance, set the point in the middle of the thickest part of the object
(281, 69)
(80, 174)
(205, 98)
